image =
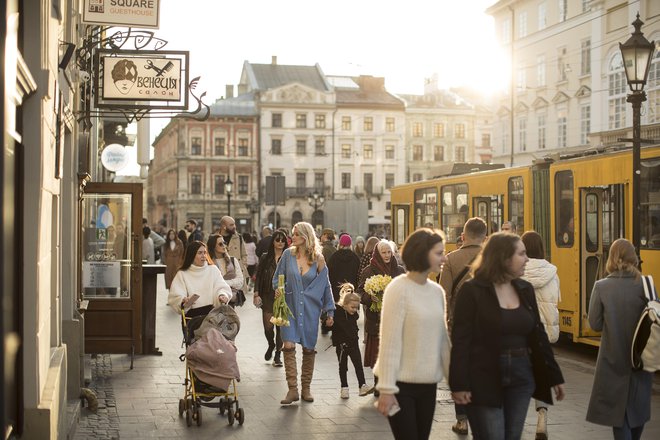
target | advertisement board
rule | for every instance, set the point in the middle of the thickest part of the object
(141, 79)
(131, 13)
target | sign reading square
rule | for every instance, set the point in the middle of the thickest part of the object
(131, 13)
(142, 79)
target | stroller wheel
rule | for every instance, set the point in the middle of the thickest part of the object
(240, 416)
(182, 407)
(198, 415)
(189, 416)
(222, 406)
(230, 417)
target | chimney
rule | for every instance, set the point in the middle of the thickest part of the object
(273, 60)
(229, 91)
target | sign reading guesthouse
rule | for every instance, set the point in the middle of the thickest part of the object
(131, 13)
(133, 79)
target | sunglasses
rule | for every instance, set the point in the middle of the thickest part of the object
(221, 243)
(280, 240)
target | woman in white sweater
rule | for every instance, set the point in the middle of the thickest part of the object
(414, 345)
(543, 276)
(197, 277)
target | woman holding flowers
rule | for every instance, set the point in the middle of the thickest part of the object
(381, 267)
(414, 345)
(264, 295)
(307, 293)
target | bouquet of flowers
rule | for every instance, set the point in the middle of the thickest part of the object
(281, 311)
(375, 286)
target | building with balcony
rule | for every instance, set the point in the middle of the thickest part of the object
(570, 88)
(369, 130)
(295, 106)
(193, 160)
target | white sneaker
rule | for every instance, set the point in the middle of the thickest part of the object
(344, 393)
(366, 389)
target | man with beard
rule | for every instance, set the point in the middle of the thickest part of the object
(235, 244)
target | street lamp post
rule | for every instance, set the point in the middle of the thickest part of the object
(172, 214)
(637, 53)
(228, 187)
(253, 207)
(315, 200)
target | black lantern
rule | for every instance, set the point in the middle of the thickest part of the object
(637, 54)
(229, 185)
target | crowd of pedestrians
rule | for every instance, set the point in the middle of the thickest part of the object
(497, 293)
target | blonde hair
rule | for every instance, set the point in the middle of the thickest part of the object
(311, 249)
(347, 294)
(622, 258)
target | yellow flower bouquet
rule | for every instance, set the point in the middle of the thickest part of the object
(375, 286)
(281, 311)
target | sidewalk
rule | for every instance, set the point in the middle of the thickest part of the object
(143, 402)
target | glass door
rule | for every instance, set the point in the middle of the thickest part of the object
(111, 267)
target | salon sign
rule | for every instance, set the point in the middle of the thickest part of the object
(142, 79)
(131, 13)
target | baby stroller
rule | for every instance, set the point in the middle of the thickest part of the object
(211, 367)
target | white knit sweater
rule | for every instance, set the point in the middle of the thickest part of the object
(206, 281)
(414, 345)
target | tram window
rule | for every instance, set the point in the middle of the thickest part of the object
(516, 203)
(426, 208)
(564, 215)
(454, 210)
(592, 223)
(650, 204)
(401, 225)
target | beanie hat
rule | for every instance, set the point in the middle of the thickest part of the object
(345, 240)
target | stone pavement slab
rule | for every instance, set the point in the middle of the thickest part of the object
(147, 396)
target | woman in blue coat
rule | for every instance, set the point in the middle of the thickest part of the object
(308, 293)
(621, 396)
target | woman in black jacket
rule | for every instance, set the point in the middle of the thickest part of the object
(500, 355)
(264, 296)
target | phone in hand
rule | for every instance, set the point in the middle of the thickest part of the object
(393, 409)
(189, 301)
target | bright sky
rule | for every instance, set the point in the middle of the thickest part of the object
(403, 41)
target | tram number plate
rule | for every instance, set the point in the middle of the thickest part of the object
(566, 321)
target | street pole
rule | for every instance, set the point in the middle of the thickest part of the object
(229, 204)
(636, 100)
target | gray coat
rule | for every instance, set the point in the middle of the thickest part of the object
(615, 307)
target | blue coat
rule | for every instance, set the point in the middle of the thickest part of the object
(305, 304)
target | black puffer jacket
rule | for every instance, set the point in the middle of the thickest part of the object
(345, 327)
(343, 268)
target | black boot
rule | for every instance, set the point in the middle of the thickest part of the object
(277, 362)
(269, 353)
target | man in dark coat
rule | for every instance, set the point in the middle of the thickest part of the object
(264, 243)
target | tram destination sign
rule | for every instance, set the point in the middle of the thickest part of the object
(131, 13)
(142, 79)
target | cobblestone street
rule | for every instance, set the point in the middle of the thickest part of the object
(143, 402)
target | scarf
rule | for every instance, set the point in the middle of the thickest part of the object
(378, 263)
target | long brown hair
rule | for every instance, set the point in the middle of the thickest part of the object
(492, 263)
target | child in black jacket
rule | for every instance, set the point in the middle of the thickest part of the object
(345, 338)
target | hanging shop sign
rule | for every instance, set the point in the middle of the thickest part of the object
(114, 157)
(131, 13)
(141, 79)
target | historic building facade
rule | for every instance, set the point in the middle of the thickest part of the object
(570, 87)
(194, 159)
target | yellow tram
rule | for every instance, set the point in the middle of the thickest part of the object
(578, 204)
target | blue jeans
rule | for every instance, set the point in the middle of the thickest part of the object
(506, 422)
(626, 432)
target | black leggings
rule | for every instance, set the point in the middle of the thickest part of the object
(271, 331)
(352, 350)
(417, 402)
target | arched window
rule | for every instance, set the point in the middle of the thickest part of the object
(317, 219)
(617, 92)
(297, 217)
(271, 219)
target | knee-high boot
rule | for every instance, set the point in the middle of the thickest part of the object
(291, 372)
(307, 373)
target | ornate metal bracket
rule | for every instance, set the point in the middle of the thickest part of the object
(134, 40)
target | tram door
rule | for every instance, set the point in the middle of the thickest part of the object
(489, 208)
(601, 222)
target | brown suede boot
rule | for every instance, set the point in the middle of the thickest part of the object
(306, 374)
(291, 372)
